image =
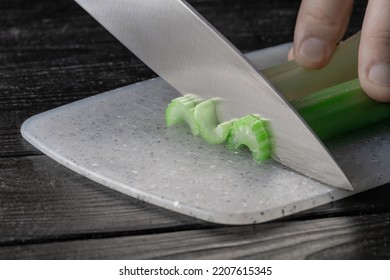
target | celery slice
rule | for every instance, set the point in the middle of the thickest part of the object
(182, 109)
(252, 132)
(207, 123)
(339, 109)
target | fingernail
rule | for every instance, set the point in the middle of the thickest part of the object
(313, 49)
(379, 74)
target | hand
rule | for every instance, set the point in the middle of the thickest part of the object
(322, 23)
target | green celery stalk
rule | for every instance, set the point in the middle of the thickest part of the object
(294, 81)
(339, 109)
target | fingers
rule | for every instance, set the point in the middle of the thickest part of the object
(320, 26)
(322, 23)
(374, 51)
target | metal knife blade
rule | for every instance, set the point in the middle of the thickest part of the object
(176, 42)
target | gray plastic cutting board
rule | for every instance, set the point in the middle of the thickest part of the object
(119, 139)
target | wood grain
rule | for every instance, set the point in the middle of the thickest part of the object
(334, 238)
(41, 200)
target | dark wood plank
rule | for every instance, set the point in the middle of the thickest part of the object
(337, 238)
(11, 141)
(53, 53)
(41, 200)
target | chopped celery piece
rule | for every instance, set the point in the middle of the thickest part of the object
(251, 131)
(207, 123)
(182, 109)
(340, 109)
(294, 81)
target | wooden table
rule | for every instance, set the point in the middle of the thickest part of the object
(53, 53)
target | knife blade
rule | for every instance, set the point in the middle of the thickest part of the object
(183, 48)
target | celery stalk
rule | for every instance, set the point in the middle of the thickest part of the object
(295, 82)
(340, 109)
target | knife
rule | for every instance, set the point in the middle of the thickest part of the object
(183, 48)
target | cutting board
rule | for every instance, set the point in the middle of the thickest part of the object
(119, 139)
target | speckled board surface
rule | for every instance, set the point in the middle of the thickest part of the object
(119, 139)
